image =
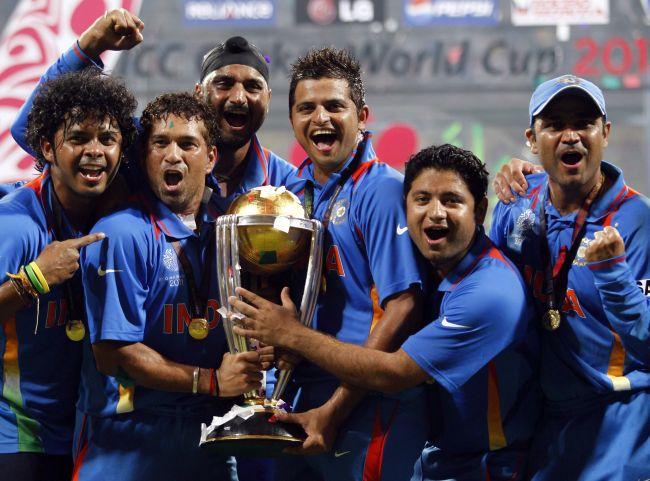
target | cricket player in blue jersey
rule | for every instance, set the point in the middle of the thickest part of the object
(580, 237)
(372, 281)
(153, 320)
(480, 347)
(234, 80)
(80, 125)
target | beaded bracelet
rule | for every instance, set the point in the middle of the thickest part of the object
(23, 286)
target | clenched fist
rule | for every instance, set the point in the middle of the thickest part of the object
(116, 30)
(607, 243)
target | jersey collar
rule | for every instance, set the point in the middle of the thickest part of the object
(44, 189)
(255, 174)
(479, 249)
(605, 203)
(164, 219)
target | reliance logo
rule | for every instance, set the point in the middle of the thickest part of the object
(230, 10)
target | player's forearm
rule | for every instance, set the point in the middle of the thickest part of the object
(356, 365)
(10, 301)
(402, 315)
(146, 367)
(626, 307)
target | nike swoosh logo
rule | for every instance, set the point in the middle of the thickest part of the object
(338, 454)
(401, 230)
(446, 323)
(102, 272)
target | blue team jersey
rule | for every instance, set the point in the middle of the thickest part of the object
(137, 291)
(481, 348)
(602, 343)
(368, 253)
(40, 370)
(9, 188)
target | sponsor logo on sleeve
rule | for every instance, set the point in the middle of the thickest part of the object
(644, 285)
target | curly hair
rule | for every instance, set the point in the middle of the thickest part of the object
(184, 105)
(74, 97)
(449, 157)
(329, 62)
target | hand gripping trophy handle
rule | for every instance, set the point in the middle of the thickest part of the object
(308, 302)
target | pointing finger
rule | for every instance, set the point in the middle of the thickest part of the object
(86, 240)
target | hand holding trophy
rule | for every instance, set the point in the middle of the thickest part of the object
(264, 242)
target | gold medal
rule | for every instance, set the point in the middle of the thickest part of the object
(75, 330)
(551, 319)
(199, 328)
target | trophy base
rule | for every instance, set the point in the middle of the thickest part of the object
(257, 435)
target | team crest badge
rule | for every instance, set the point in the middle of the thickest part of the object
(340, 211)
(569, 80)
(524, 223)
(170, 260)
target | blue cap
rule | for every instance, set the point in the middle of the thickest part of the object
(547, 91)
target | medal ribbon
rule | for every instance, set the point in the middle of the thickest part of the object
(556, 276)
(345, 175)
(74, 312)
(197, 302)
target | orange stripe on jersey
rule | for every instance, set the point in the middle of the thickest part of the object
(79, 461)
(496, 436)
(37, 184)
(377, 311)
(362, 169)
(617, 364)
(375, 454)
(11, 370)
(125, 401)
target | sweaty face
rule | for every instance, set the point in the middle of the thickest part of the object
(442, 217)
(177, 161)
(241, 96)
(84, 158)
(325, 121)
(570, 138)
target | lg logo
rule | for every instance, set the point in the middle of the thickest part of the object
(356, 11)
(326, 12)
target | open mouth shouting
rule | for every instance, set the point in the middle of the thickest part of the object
(236, 119)
(571, 158)
(92, 173)
(324, 139)
(436, 234)
(173, 180)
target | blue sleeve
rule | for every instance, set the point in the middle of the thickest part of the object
(485, 314)
(116, 275)
(19, 243)
(280, 171)
(9, 188)
(74, 59)
(381, 220)
(625, 305)
(499, 226)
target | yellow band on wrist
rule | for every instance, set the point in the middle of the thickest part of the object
(41, 277)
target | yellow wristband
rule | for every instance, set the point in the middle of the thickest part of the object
(41, 277)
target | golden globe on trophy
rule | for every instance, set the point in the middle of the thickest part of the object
(265, 242)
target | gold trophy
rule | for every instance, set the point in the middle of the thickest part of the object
(264, 243)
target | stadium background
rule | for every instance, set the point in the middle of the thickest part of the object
(435, 71)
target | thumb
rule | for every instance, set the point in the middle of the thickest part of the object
(288, 417)
(286, 299)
